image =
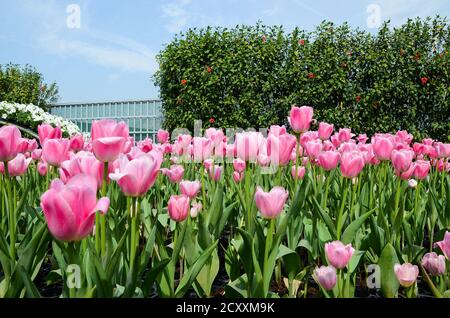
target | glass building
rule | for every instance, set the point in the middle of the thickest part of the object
(144, 117)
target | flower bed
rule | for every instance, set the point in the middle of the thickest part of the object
(311, 213)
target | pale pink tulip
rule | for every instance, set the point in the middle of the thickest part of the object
(344, 135)
(300, 118)
(313, 148)
(382, 147)
(42, 168)
(190, 188)
(444, 245)
(277, 131)
(18, 166)
(338, 254)
(178, 207)
(237, 176)
(247, 145)
(406, 274)
(36, 154)
(70, 209)
(82, 163)
(433, 263)
(279, 149)
(271, 204)
(175, 173)
(202, 148)
(109, 139)
(326, 276)
(421, 169)
(300, 172)
(215, 172)
(442, 150)
(195, 209)
(239, 165)
(401, 159)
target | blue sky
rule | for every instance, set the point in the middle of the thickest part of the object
(110, 54)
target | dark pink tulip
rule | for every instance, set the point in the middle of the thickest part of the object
(277, 131)
(300, 118)
(70, 209)
(279, 149)
(237, 176)
(404, 137)
(328, 145)
(178, 207)
(382, 147)
(433, 263)
(46, 131)
(42, 168)
(352, 163)
(344, 134)
(239, 165)
(348, 146)
(338, 254)
(190, 188)
(145, 145)
(329, 159)
(77, 143)
(313, 148)
(175, 173)
(23, 145)
(300, 172)
(82, 163)
(428, 141)
(162, 136)
(10, 139)
(406, 274)
(335, 140)
(326, 276)
(271, 204)
(421, 169)
(325, 130)
(18, 166)
(36, 154)
(444, 245)
(401, 159)
(32, 145)
(55, 151)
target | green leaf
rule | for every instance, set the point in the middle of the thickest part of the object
(389, 282)
(352, 228)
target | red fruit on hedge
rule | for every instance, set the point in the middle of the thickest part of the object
(311, 75)
(264, 39)
(424, 80)
(212, 120)
(183, 82)
(209, 69)
(358, 98)
(301, 42)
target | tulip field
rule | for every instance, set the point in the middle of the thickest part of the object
(299, 211)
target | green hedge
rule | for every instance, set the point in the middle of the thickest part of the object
(249, 76)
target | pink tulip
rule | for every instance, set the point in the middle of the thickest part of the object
(325, 276)
(300, 118)
(444, 245)
(329, 160)
(32, 145)
(404, 137)
(428, 141)
(215, 172)
(277, 131)
(421, 169)
(162, 136)
(202, 148)
(338, 254)
(135, 177)
(434, 264)
(175, 173)
(18, 166)
(279, 149)
(46, 131)
(178, 207)
(108, 139)
(239, 165)
(82, 163)
(145, 145)
(328, 145)
(412, 183)
(36, 154)
(344, 134)
(215, 135)
(10, 138)
(270, 204)
(190, 188)
(406, 175)
(382, 147)
(55, 151)
(70, 209)
(76, 142)
(42, 168)
(351, 163)
(237, 176)
(300, 172)
(401, 159)
(247, 145)
(335, 140)
(362, 138)
(325, 130)
(313, 148)
(406, 274)
(230, 150)
(442, 150)
(195, 209)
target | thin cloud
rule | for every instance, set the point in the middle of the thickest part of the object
(400, 11)
(177, 15)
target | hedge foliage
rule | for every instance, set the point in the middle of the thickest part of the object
(249, 76)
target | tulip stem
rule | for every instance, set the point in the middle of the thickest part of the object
(341, 210)
(267, 248)
(430, 284)
(103, 217)
(12, 214)
(134, 213)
